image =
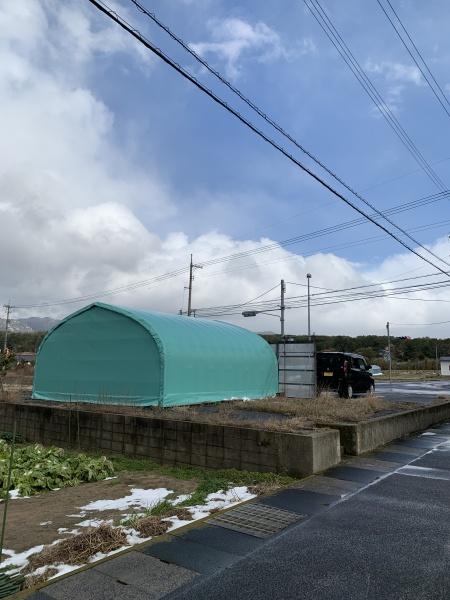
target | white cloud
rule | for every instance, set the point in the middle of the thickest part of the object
(395, 72)
(234, 39)
(397, 77)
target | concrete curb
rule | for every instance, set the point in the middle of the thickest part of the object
(358, 438)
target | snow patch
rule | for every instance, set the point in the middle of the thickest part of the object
(19, 559)
(44, 523)
(67, 531)
(138, 497)
(94, 522)
(181, 498)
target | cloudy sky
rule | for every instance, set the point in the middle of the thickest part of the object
(113, 169)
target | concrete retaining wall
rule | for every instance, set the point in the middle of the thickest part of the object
(358, 438)
(175, 442)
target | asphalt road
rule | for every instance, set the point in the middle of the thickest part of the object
(422, 392)
(389, 541)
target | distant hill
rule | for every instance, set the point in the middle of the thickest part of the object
(29, 324)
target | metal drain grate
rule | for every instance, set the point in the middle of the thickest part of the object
(258, 520)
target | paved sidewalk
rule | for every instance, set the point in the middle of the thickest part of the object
(371, 527)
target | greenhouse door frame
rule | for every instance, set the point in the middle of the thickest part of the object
(297, 369)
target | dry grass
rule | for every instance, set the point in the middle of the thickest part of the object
(182, 513)
(151, 526)
(296, 414)
(32, 580)
(325, 408)
(227, 413)
(263, 488)
(78, 549)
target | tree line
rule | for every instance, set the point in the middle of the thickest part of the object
(416, 353)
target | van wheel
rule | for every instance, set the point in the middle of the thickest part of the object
(349, 392)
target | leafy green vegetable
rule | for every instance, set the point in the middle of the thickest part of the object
(36, 468)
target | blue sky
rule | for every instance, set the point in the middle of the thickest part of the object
(115, 169)
(224, 177)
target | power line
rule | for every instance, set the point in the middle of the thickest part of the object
(272, 122)
(334, 247)
(439, 93)
(333, 228)
(184, 73)
(320, 298)
(324, 21)
(419, 324)
(267, 248)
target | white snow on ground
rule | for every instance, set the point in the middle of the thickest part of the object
(68, 531)
(44, 523)
(62, 569)
(14, 495)
(427, 433)
(137, 498)
(181, 498)
(219, 500)
(94, 522)
(19, 559)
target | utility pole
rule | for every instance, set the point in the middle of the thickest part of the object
(191, 279)
(389, 352)
(308, 277)
(282, 307)
(8, 310)
(437, 360)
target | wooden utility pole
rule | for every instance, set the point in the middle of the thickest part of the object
(191, 279)
(5, 341)
(282, 308)
(389, 351)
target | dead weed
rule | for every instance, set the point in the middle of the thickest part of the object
(32, 580)
(151, 526)
(78, 549)
(324, 408)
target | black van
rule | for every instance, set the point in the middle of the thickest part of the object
(346, 373)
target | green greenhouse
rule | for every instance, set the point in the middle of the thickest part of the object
(113, 355)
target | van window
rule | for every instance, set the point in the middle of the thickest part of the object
(359, 363)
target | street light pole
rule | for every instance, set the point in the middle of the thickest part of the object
(389, 351)
(308, 277)
(282, 307)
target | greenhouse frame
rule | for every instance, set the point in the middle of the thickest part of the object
(108, 354)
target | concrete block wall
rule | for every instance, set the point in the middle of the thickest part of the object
(358, 438)
(175, 442)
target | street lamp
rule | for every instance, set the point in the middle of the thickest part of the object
(253, 313)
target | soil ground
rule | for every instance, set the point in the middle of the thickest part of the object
(25, 514)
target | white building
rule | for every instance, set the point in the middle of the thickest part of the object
(445, 365)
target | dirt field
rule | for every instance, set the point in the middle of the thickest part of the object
(36, 520)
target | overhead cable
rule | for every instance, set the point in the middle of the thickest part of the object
(417, 57)
(272, 122)
(326, 24)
